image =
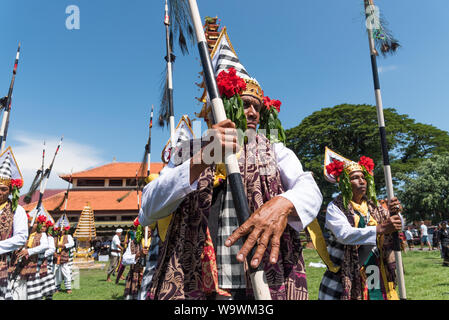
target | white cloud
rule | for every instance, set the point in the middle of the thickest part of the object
(387, 68)
(27, 149)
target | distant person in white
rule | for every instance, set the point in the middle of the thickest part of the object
(409, 237)
(116, 249)
(424, 236)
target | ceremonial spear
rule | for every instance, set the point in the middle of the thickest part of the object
(37, 179)
(257, 275)
(5, 120)
(148, 149)
(166, 110)
(43, 185)
(387, 44)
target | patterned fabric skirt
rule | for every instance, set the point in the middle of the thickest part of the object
(5, 292)
(48, 282)
(133, 282)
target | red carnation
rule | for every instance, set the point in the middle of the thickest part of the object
(17, 183)
(276, 104)
(41, 219)
(368, 163)
(229, 83)
(272, 103)
(136, 222)
(335, 168)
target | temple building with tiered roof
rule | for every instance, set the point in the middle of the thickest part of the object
(101, 187)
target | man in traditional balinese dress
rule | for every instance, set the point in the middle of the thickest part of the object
(202, 258)
(134, 256)
(64, 242)
(49, 285)
(360, 247)
(32, 262)
(13, 223)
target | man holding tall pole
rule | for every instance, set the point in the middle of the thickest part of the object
(202, 258)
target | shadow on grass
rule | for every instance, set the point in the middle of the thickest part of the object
(118, 297)
(441, 284)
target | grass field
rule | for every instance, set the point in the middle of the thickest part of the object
(425, 279)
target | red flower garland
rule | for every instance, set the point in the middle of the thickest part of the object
(368, 163)
(229, 83)
(41, 219)
(17, 183)
(335, 168)
(272, 103)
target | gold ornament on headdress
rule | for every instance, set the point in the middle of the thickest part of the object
(253, 89)
(352, 166)
(5, 181)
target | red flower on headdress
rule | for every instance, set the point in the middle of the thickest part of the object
(136, 222)
(67, 228)
(49, 223)
(41, 219)
(229, 83)
(335, 168)
(368, 163)
(17, 183)
(269, 103)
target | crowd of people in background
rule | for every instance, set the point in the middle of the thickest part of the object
(421, 235)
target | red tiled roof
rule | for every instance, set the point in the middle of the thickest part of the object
(115, 170)
(97, 199)
(35, 196)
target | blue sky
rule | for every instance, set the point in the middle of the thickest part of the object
(96, 85)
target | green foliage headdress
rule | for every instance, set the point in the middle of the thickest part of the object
(337, 170)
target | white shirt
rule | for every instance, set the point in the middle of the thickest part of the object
(42, 247)
(51, 246)
(163, 195)
(128, 258)
(20, 232)
(338, 224)
(408, 235)
(423, 230)
(70, 243)
(114, 245)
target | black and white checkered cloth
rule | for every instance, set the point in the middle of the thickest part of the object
(225, 58)
(5, 169)
(151, 264)
(231, 274)
(331, 286)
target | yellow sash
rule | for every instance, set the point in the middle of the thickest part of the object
(320, 245)
(31, 240)
(389, 286)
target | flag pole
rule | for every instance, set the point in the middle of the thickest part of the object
(257, 275)
(369, 10)
(168, 58)
(5, 120)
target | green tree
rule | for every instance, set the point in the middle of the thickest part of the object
(425, 195)
(352, 131)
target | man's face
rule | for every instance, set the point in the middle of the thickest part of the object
(4, 193)
(443, 226)
(252, 108)
(358, 183)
